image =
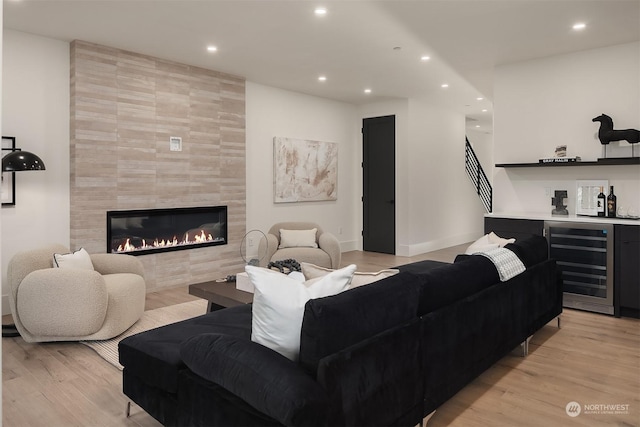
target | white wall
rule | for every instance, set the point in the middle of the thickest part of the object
(436, 205)
(482, 144)
(35, 107)
(274, 112)
(444, 209)
(543, 103)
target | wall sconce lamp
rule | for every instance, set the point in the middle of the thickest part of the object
(16, 161)
(19, 160)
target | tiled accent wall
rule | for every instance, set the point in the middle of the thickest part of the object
(124, 108)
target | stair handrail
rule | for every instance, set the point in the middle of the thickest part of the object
(478, 177)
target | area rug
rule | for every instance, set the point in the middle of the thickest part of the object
(108, 349)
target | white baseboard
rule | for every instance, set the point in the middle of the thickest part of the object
(434, 245)
(348, 246)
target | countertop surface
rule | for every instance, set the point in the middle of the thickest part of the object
(570, 218)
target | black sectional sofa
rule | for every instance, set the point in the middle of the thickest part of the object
(388, 353)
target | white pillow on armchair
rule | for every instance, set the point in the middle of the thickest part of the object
(298, 238)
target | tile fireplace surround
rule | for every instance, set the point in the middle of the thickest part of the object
(124, 108)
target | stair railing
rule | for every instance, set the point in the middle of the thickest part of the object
(478, 177)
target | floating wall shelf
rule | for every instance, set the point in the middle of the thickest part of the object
(600, 162)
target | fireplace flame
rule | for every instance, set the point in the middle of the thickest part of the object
(200, 237)
(127, 247)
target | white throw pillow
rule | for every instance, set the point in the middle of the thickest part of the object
(80, 259)
(278, 305)
(298, 238)
(482, 244)
(312, 271)
(494, 238)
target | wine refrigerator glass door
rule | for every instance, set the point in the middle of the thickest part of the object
(584, 254)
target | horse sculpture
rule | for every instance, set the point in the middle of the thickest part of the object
(606, 133)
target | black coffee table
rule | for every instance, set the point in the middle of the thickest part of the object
(220, 294)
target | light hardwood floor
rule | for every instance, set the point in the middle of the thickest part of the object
(593, 360)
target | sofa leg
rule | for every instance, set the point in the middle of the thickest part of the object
(524, 346)
(559, 325)
(426, 419)
(127, 410)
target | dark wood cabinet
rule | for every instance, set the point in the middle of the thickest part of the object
(626, 257)
(627, 270)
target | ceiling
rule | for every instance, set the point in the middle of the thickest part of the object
(356, 45)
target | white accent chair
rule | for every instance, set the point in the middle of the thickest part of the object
(70, 304)
(327, 254)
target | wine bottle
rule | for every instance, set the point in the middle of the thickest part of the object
(601, 202)
(611, 204)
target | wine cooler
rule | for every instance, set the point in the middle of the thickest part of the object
(584, 254)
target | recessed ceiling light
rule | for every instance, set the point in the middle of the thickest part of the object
(425, 58)
(477, 126)
(212, 48)
(320, 11)
(579, 26)
(322, 78)
(444, 85)
(367, 91)
(484, 110)
(479, 98)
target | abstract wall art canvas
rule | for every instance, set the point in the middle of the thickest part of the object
(304, 170)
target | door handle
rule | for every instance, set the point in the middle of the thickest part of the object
(391, 202)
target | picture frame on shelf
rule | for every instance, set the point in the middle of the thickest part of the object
(8, 191)
(587, 195)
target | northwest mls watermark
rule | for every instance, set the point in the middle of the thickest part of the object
(574, 409)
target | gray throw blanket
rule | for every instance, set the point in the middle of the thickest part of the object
(507, 263)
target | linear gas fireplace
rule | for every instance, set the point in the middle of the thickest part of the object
(139, 232)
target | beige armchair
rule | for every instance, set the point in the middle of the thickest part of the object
(326, 254)
(70, 304)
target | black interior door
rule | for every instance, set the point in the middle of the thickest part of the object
(379, 182)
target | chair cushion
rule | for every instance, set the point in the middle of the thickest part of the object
(154, 356)
(310, 255)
